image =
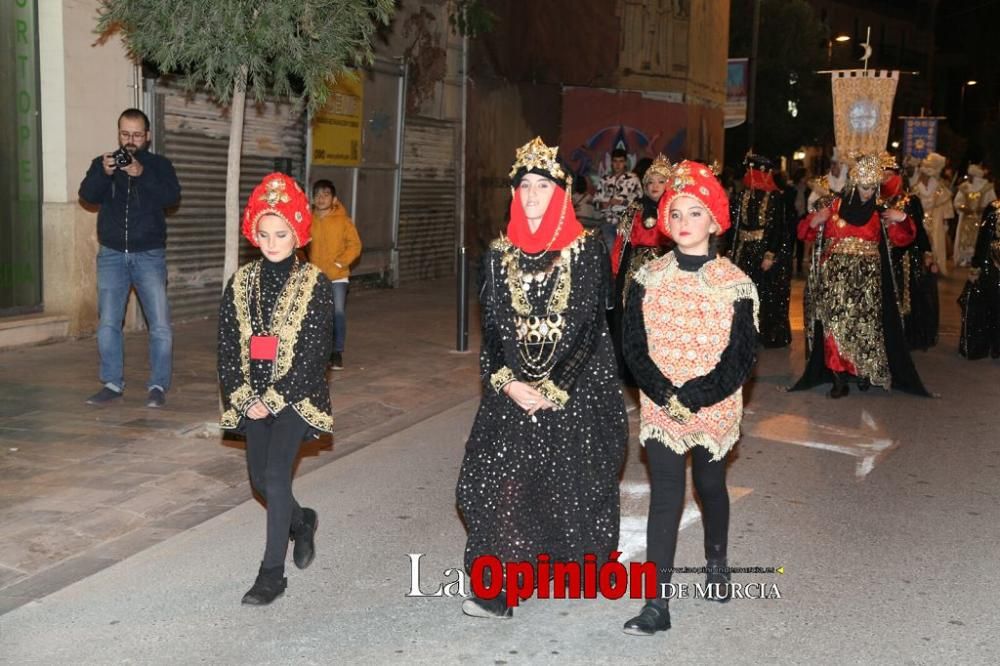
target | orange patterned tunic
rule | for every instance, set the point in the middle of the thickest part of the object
(688, 316)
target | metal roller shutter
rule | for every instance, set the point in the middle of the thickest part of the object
(196, 140)
(428, 200)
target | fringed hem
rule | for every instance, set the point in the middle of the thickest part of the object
(683, 444)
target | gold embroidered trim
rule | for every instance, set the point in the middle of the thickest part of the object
(552, 393)
(682, 444)
(289, 313)
(242, 285)
(313, 415)
(230, 419)
(904, 306)
(755, 235)
(854, 246)
(274, 400)
(242, 397)
(501, 378)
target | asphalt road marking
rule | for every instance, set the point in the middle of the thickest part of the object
(867, 442)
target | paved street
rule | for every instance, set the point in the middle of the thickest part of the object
(881, 508)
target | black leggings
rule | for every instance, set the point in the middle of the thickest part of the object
(272, 446)
(666, 503)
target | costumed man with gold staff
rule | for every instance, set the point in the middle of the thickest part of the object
(854, 330)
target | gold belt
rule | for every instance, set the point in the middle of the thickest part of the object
(855, 246)
(756, 235)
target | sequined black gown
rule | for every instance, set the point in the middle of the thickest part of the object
(761, 226)
(980, 300)
(916, 285)
(549, 484)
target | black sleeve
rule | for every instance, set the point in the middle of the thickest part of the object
(981, 257)
(636, 350)
(159, 182)
(96, 184)
(566, 371)
(234, 383)
(491, 356)
(312, 351)
(733, 368)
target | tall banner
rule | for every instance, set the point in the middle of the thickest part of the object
(736, 92)
(862, 108)
(336, 128)
(919, 135)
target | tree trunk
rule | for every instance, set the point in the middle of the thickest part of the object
(233, 176)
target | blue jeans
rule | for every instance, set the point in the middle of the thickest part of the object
(339, 315)
(117, 273)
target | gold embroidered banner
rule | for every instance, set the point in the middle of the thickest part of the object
(862, 108)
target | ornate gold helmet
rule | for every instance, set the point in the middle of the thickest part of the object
(660, 167)
(866, 171)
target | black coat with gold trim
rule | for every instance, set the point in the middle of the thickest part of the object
(295, 304)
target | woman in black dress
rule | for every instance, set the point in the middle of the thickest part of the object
(540, 473)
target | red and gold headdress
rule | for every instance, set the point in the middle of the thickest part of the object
(693, 179)
(279, 195)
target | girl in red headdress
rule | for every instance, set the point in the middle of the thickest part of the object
(275, 334)
(690, 337)
(540, 473)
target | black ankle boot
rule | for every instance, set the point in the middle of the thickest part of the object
(489, 608)
(864, 384)
(304, 536)
(270, 584)
(718, 580)
(654, 617)
(840, 388)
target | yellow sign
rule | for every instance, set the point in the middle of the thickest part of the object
(336, 128)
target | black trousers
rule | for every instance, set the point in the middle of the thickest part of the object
(666, 504)
(272, 446)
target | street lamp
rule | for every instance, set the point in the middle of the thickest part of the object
(840, 39)
(961, 105)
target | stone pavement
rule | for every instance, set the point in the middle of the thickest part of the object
(84, 487)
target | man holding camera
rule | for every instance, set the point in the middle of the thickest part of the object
(133, 187)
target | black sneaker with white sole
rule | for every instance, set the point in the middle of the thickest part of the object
(105, 396)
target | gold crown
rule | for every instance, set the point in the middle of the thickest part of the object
(888, 160)
(661, 166)
(536, 155)
(867, 170)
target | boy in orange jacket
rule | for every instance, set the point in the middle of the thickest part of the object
(335, 246)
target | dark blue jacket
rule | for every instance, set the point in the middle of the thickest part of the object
(132, 218)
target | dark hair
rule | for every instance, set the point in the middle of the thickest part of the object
(579, 185)
(324, 184)
(642, 166)
(619, 152)
(135, 114)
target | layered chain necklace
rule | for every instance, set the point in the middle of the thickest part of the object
(538, 336)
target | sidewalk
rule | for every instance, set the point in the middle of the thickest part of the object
(84, 487)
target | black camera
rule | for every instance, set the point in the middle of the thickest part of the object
(122, 158)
